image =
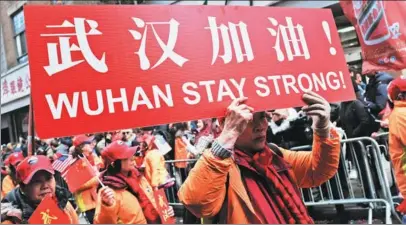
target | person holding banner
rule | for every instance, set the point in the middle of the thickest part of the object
(86, 196)
(121, 198)
(10, 181)
(397, 135)
(36, 181)
(260, 183)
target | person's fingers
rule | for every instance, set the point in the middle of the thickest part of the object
(248, 116)
(238, 101)
(109, 195)
(309, 99)
(314, 94)
(320, 113)
(312, 99)
(244, 106)
(316, 106)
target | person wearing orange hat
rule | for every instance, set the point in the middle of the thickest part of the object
(10, 181)
(86, 196)
(397, 134)
(36, 181)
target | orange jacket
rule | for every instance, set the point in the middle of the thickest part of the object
(203, 192)
(180, 152)
(155, 170)
(86, 195)
(126, 209)
(397, 143)
(7, 185)
(69, 210)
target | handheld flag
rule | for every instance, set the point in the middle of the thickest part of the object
(163, 207)
(48, 212)
(78, 174)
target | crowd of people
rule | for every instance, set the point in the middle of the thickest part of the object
(239, 161)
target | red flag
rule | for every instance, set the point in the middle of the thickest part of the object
(163, 207)
(78, 174)
(48, 212)
(380, 26)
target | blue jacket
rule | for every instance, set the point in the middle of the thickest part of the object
(376, 93)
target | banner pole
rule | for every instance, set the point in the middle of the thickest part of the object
(31, 131)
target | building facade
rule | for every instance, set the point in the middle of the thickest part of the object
(14, 67)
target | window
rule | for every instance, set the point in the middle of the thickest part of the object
(19, 36)
(61, 2)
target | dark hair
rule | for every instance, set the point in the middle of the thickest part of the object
(115, 168)
(354, 70)
(99, 137)
(54, 143)
(13, 174)
(180, 126)
(66, 141)
(78, 151)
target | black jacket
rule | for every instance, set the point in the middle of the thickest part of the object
(20, 201)
(355, 119)
(376, 93)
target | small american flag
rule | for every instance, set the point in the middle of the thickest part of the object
(62, 163)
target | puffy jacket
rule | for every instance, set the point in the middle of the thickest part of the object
(19, 201)
(155, 170)
(355, 119)
(204, 190)
(180, 152)
(7, 185)
(86, 196)
(376, 93)
(397, 143)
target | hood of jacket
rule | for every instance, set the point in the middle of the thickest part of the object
(383, 77)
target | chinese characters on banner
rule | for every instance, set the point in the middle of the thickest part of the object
(14, 85)
(48, 212)
(135, 66)
(163, 207)
(381, 29)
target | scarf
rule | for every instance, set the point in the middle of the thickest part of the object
(119, 181)
(284, 192)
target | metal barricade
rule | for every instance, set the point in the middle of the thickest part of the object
(383, 142)
(180, 173)
(342, 190)
(339, 190)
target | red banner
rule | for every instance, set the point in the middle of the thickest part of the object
(102, 68)
(163, 207)
(381, 29)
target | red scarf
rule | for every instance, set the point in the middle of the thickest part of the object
(285, 193)
(119, 181)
